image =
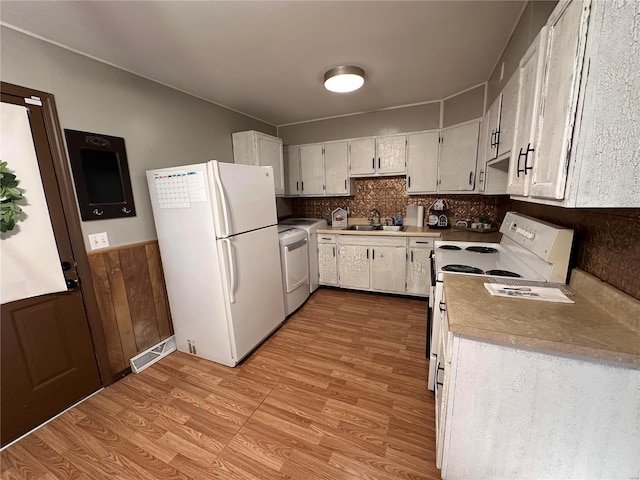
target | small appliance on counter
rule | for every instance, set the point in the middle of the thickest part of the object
(339, 217)
(438, 218)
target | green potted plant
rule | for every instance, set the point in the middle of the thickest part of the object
(9, 195)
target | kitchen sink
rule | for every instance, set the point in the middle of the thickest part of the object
(370, 228)
(366, 228)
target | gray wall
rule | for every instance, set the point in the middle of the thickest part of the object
(381, 122)
(533, 19)
(161, 126)
(463, 107)
(457, 109)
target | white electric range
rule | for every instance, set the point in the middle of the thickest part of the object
(530, 251)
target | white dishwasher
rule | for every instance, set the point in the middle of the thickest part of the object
(294, 260)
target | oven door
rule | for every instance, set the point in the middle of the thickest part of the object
(436, 319)
(430, 305)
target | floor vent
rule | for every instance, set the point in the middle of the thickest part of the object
(153, 354)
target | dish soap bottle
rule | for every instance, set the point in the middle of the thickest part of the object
(399, 220)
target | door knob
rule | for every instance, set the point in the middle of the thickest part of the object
(72, 283)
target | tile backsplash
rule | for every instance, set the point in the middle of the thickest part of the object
(389, 196)
(607, 241)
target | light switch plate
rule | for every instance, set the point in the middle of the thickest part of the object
(98, 240)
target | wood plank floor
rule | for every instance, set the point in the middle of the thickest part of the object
(339, 392)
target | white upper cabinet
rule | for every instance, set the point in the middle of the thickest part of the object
(318, 169)
(492, 121)
(362, 156)
(605, 161)
(375, 156)
(422, 161)
(526, 121)
(458, 154)
(585, 150)
(565, 51)
(392, 155)
(336, 168)
(291, 156)
(508, 111)
(312, 169)
(256, 148)
(491, 176)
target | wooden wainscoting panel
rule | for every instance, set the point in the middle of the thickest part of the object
(102, 289)
(132, 300)
(135, 270)
(159, 290)
(121, 304)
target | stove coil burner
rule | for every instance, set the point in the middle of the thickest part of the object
(480, 249)
(462, 269)
(502, 273)
(449, 247)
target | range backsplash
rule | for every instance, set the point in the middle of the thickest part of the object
(389, 196)
(607, 240)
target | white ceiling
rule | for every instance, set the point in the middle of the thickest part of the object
(267, 59)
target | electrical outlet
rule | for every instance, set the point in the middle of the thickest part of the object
(98, 240)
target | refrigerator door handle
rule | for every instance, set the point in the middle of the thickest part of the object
(232, 272)
(223, 199)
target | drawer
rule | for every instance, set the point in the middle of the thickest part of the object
(326, 238)
(373, 240)
(421, 242)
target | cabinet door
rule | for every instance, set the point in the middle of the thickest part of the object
(483, 145)
(458, 157)
(291, 171)
(353, 262)
(388, 269)
(527, 108)
(336, 167)
(328, 264)
(362, 156)
(392, 155)
(508, 115)
(270, 154)
(565, 53)
(493, 127)
(418, 271)
(422, 161)
(311, 169)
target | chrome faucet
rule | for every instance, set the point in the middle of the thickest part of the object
(374, 214)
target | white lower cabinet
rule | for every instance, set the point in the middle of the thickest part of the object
(508, 412)
(418, 276)
(387, 268)
(328, 259)
(372, 262)
(354, 266)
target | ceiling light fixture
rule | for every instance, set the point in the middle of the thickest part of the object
(344, 79)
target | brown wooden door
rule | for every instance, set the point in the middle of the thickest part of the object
(47, 358)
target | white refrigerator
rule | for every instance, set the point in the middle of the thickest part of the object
(218, 237)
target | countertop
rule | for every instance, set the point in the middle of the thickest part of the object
(603, 324)
(450, 234)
